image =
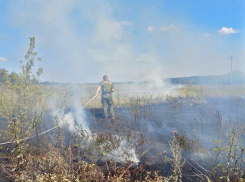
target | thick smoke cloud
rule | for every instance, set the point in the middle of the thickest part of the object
(82, 40)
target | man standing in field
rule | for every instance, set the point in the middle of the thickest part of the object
(106, 97)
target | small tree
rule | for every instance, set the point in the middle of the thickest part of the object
(21, 107)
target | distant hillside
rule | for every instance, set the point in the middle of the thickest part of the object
(237, 78)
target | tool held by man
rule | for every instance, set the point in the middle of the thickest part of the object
(106, 96)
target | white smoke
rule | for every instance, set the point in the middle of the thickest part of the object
(79, 115)
(124, 152)
(63, 118)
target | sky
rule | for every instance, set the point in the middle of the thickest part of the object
(79, 41)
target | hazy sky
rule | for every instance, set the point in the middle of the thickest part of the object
(80, 41)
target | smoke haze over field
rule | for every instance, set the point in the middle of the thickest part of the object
(80, 41)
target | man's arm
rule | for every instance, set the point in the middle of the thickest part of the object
(112, 88)
(98, 89)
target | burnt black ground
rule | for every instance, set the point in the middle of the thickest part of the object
(201, 120)
(197, 118)
(188, 116)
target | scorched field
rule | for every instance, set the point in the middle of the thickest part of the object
(167, 133)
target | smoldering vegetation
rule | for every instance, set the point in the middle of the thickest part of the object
(160, 133)
(207, 128)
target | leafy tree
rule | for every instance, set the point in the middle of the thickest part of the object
(21, 106)
(13, 77)
(4, 75)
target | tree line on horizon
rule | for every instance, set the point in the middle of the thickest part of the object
(6, 76)
(238, 78)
